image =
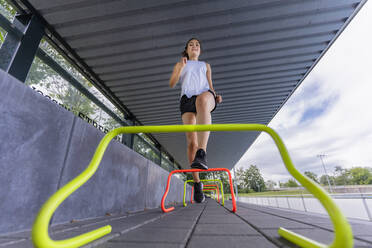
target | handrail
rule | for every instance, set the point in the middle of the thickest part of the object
(192, 189)
(343, 234)
(166, 210)
(335, 196)
(214, 188)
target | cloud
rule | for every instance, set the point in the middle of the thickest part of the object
(330, 113)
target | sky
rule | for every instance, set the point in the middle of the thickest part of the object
(330, 113)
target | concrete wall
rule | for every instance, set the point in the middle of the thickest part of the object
(43, 146)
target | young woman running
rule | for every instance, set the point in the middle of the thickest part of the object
(198, 100)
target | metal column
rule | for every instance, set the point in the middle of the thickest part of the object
(26, 48)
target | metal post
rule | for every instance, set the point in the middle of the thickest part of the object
(25, 54)
(236, 186)
(366, 207)
(13, 37)
(303, 202)
(160, 156)
(325, 171)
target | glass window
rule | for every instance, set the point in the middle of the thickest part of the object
(142, 147)
(166, 163)
(7, 10)
(2, 36)
(50, 84)
(57, 57)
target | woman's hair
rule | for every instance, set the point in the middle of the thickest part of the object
(184, 53)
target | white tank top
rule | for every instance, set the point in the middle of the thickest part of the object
(194, 78)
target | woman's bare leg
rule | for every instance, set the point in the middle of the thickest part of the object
(189, 118)
(204, 105)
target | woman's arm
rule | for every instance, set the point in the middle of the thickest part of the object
(177, 69)
(209, 77)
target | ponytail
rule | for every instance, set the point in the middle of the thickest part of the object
(184, 53)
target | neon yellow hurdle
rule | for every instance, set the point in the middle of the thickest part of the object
(40, 236)
(204, 180)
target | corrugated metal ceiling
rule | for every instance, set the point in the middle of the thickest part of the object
(259, 51)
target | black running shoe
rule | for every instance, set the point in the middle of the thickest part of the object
(200, 160)
(198, 192)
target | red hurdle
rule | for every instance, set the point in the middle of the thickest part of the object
(166, 210)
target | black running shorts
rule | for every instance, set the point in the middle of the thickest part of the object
(188, 104)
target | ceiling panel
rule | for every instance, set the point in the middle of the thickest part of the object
(259, 50)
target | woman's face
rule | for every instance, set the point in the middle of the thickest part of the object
(193, 48)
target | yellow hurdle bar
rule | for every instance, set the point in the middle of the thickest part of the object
(40, 236)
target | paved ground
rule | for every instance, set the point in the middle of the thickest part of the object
(202, 225)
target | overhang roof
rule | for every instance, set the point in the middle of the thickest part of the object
(260, 51)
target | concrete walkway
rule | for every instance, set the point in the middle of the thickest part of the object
(201, 225)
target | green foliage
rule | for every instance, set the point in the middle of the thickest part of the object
(250, 179)
(218, 175)
(2, 36)
(7, 10)
(323, 180)
(353, 176)
(239, 180)
(291, 183)
(360, 175)
(189, 176)
(45, 78)
(312, 176)
(140, 146)
(342, 176)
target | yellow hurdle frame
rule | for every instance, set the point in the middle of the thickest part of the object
(40, 236)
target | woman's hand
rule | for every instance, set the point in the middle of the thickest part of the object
(177, 69)
(217, 97)
(183, 62)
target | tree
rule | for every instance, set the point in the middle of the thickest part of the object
(141, 146)
(239, 179)
(323, 180)
(360, 175)
(44, 77)
(224, 179)
(2, 35)
(253, 179)
(291, 183)
(312, 176)
(342, 176)
(8, 12)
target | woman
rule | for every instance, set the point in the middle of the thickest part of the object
(198, 100)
